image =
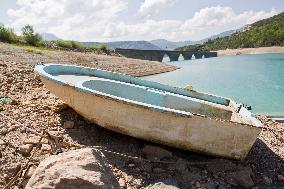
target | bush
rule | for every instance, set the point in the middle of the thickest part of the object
(30, 36)
(92, 48)
(69, 44)
(7, 34)
(103, 47)
(64, 44)
(76, 45)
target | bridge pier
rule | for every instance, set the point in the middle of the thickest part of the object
(187, 55)
(198, 55)
(173, 55)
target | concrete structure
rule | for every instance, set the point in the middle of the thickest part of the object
(153, 111)
(158, 55)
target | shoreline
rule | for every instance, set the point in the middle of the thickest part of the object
(259, 50)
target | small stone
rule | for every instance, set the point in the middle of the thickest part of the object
(280, 177)
(122, 183)
(6, 177)
(2, 143)
(4, 131)
(25, 149)
(131, 165)
(267, 180)
(45, 147)
(32, 140)
(14, 102)
(197, 184)
(243, 177)
(30, 171)
(164, 184)
(68, 124)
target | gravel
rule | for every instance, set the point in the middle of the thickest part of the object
(33, 106)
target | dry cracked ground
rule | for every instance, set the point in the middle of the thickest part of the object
(30, 105)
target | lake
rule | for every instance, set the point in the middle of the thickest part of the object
(256, 80)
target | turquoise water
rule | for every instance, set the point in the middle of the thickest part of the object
(256, 80)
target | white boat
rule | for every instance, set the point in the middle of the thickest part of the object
(155, 112)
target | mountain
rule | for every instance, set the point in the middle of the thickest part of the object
(220, 35)
(169, 45)
(143, 45)
(264, 33)
(49, 37)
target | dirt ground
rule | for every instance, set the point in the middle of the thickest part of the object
(31, 105)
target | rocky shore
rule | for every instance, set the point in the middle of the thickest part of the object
(34, 125)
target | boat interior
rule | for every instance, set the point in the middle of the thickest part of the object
(152, 96)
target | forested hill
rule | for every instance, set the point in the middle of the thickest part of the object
(264, 33)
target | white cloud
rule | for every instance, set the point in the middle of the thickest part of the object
(151, 7)
(76, 19)
(217, 19)
(96, 20)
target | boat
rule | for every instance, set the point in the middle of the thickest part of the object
(152, 111)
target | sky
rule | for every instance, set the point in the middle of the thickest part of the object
(116, 20)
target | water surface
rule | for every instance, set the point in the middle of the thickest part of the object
(256, 80)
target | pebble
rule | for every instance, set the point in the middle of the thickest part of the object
(45, 147)
(4, 131)
(197, 184)
(25, 149)
(14, 102)
(32, 140)
(30, 171)
(2, 143)
(68, 124)
(280, 177)
(131, 165)
(122, 183)
(267, 180)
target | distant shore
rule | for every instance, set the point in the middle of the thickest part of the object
(260, 50)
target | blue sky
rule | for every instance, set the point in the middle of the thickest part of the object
(112, 20)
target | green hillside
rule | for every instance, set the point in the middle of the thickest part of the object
(264, 33)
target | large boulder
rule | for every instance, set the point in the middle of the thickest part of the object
(83, 168)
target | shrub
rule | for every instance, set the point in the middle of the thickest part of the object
(92, 48)
(103, 47)
(69, 44)
(63, 44)
(76, 45)
(4, 100)
(7, 34)
(30, 36)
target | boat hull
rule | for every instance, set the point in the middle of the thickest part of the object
(190, 132)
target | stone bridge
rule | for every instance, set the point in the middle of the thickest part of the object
(158, 55)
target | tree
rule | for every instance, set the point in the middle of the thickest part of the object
(30, 36)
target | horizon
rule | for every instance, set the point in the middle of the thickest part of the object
(149, 20)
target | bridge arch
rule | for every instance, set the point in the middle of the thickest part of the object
(180, 57)
(166, 58)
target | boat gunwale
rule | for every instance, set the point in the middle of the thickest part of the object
(79, 87)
